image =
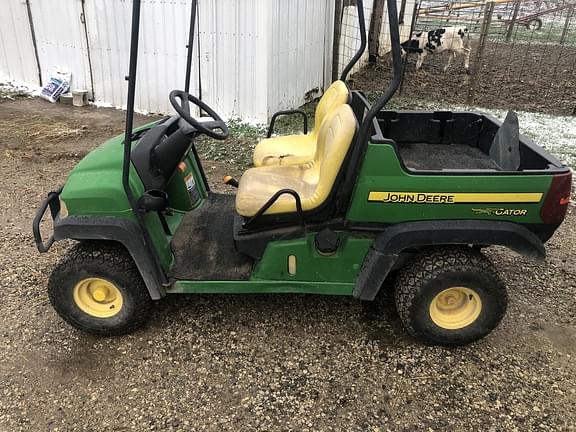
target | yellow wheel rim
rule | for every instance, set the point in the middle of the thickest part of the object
(455, 308)
(98, 297)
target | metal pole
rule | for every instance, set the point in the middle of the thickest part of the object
(338, 8)
(513, 20)
(488, 10)
(88, 52)
(566, 25)
(131, 78)
(415, 12)
(190, 45)
(34, 43)
(126, 163)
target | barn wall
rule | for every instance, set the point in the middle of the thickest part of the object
(17, 61)
(233, 59)
(162, 51)
(299, 50)
(252, 57)
(59, 44)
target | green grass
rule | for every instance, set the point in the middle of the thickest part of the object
(236, 151)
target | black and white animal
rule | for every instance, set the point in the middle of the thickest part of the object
(436, 41)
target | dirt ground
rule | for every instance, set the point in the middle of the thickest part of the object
(274, 363)
(535, 77)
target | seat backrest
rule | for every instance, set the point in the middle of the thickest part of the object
(334, 140)
(337, 94)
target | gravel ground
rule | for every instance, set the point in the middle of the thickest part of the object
(286, 362)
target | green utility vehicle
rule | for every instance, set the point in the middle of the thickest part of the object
(369, 198)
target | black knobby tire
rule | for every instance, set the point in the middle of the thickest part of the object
(108, 261)
(534, 24)
(435, 270)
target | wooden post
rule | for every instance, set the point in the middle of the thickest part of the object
(485, 30)
(374, 32)
(567, 24)
(336, 43)
(513, 20)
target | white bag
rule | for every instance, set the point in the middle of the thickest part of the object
(59, 83)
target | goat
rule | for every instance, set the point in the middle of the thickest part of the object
(436, 41)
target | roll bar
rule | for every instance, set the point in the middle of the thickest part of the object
(396, 58)
(397, 73)
(190, 45)
(128, 137)
(363, 136)
(130, 104)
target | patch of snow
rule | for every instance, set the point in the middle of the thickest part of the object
(15, 86)
(101, 104)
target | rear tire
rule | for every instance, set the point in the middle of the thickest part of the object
(97, 288)
(450, 296)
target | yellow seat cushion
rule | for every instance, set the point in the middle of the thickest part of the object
(296, 149)
(285, 150)
(313, 180)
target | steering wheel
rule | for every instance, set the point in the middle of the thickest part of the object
(207, 127)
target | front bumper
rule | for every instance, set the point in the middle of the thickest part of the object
(52, 201)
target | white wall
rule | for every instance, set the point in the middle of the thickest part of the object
(233, 40)
(260, 56)
(299, 50)
(17, 61)
(61, 39)
(162, 51)
(251, 58)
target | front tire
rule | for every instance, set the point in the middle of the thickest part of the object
(450, 296)
(98, 289)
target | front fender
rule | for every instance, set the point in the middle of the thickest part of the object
(123, 231)
(389, 244)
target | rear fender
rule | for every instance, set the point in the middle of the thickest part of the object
(387, 247)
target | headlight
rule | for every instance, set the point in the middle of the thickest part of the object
(63, 209)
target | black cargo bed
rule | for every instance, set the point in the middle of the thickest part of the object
(459, 141)
(424, 156)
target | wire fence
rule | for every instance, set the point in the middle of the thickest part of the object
(347, 34)
(347, 31)
(523, 56)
